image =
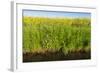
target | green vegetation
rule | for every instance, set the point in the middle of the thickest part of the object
(54, 34)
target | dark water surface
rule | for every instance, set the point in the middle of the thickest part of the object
(55, 56)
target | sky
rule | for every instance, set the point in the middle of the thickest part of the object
(37, 13)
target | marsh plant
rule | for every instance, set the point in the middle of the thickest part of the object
(65, 35)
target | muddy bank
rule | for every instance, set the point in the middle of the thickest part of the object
(55, 56)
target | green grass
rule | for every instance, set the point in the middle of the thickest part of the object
(52, 34)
